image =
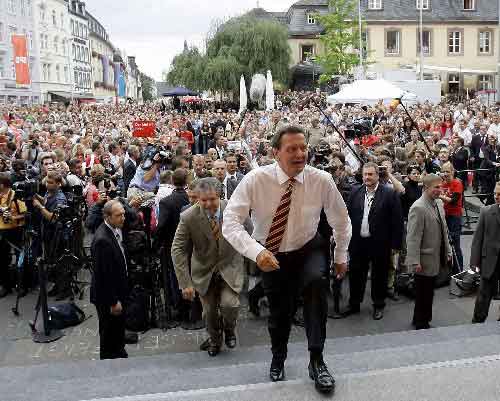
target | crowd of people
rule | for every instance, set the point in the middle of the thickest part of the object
(172, 190)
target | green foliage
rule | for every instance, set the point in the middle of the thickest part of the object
(340, 38)
(240, 46)
(147, 84)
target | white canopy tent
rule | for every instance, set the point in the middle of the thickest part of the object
(370, 92)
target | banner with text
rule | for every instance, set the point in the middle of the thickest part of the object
(21, 60)
(144, 129)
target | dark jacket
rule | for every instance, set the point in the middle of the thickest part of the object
(231, 184)
(413, 191)
(109, 280)
(476, 145)
(485, 249)
(170, 211)
(385, 219)
(128, 174)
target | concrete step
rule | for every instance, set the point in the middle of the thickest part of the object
(171, 373)
(461, 380)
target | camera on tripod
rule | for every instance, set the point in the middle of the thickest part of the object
(27, 189)
(358, 129)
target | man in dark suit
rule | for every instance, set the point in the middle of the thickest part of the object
(233, 176)
(476, 157)
(485, 256)
(130, 167)
(170, 211)
(377, 229)
(109, 287)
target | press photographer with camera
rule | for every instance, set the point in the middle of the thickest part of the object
(12, 216)
(147, 175)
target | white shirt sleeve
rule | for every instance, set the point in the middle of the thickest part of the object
(338, 218)
(237, 210)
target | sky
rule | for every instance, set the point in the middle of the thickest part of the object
(154, 30)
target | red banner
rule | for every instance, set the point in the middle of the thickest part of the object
(144, 129)
(21, 60)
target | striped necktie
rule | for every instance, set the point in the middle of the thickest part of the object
(214, 225)
(280, 219)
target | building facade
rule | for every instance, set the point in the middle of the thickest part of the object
(52, 27)
(17, 17)
(103, 68)
(460, 38)
(81, 56)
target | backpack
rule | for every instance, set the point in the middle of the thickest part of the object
(65, 315)
(137, 310)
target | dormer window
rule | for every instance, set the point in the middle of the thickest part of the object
(375, 4)
(469, 5)
(311, 19)
(422, 3)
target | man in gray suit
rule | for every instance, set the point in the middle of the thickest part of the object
(485, 256)
(428, 247)
(217, 270)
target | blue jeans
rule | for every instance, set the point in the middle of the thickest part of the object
(455, 229)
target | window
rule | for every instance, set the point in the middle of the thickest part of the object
(484, 42)
(392, 42)
(87, 59)
(374, 4)
(49, 67)
(42, 14)
(426, 39)
(73, 27)
(76, 78)
(29, 6)
(2, 67)
(307, 52)
(64, 47)
(485, 82)
(469, 4)
(66, 73)
(54, 18)
(85, 32)
(11, 6)
(73, 47)
(453, 83)
(454, 42)
(311, 19)
(422, 3)
(23, 8)
(62, 21)
(58, 73)
(56, 45)
(78, 53)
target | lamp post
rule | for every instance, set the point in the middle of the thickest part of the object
(421, 40)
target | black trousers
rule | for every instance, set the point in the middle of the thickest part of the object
(487, 289)
(302, 272)
(111, 334)
(424, 297)
(359, 265)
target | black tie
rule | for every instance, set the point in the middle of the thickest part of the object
(223, 191)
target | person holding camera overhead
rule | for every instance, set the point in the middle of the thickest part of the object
(146, 179)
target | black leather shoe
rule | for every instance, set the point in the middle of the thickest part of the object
(350, 311)
(230, 338)
(131, 337)
(205, 344)
(213, 349)
(378, 314)
(277, 371)
(323, 380)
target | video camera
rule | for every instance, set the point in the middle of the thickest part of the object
(151, 151)
(27, 189)
(358, 129)
(320, 153)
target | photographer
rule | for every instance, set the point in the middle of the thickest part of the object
(11, 222)
(74, 178)
(146, 179)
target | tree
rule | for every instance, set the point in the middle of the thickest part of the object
(242, 45)
(147, 84)
(340, 39)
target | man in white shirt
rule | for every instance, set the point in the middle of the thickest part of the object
(464, 132)
(286, 199)
(494, 127)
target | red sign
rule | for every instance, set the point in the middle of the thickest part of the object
(21, 60)
(144, 129)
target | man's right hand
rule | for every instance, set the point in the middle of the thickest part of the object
(267, 262)
(116, 309)
(188, 293)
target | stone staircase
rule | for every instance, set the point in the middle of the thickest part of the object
(449, 363)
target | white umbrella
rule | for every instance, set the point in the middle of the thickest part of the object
(269, 91)
(243, 95)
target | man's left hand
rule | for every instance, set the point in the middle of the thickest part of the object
(36, 203)
(340, 269)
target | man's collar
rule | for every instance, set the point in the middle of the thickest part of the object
(374, 190)
(283, 177)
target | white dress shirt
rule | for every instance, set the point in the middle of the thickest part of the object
(365, 226)
(261, 190)
(119, 238)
